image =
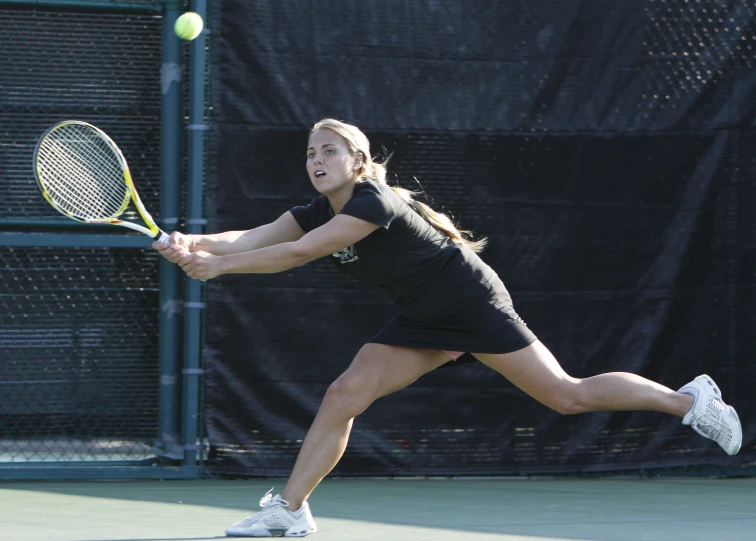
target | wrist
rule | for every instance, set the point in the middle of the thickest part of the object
(193, 244)
(223, 264)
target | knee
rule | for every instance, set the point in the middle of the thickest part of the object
(567, 398)
(344, 398)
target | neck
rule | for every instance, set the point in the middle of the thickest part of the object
(340, 197)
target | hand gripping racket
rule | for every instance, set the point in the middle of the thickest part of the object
(83, 175)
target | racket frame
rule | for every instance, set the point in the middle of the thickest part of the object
(151, 229)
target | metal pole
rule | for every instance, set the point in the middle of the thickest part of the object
(195, 221)
(105, 5)
(53, 223)
(169, 341)
(66, 240)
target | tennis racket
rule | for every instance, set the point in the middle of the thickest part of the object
(83, 175)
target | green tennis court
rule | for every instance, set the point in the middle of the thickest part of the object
(397, 510)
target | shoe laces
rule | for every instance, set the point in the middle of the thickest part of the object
(268, 504)
(269, 500)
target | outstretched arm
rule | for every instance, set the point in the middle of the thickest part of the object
(337, 234)
(284, 229)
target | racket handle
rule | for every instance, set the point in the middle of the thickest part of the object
(164, 239)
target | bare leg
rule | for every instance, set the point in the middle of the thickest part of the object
(535, 370)
(376, 371)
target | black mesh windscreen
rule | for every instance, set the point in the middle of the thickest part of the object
(101, 68)
(542, 66)
(78, 326)
(634, 272)
(603, 148)
(78, 334)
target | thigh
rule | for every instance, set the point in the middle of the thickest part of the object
(532, 369)
(380, 369)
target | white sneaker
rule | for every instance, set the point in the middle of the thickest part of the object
(711, 417)
(275, 520)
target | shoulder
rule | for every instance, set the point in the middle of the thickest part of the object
(373, 202)
(372, 187)
(316, 204)
(371, 190)
(319, 201)
(313, 214)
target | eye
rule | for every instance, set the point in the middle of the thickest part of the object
(310, 155)
(330, 151)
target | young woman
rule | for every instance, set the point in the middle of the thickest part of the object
(451, 302)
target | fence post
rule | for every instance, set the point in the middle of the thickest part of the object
(169, 445)
(195, 222)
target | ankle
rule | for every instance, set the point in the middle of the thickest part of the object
(294, 504)
(686, 401)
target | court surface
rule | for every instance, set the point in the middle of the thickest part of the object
(608, 509)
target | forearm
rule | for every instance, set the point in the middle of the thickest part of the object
(267, 260)
(235, 242)
(219, 243)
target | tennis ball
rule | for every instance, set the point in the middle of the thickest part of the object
(188, 26)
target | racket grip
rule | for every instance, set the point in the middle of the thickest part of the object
(163, 238)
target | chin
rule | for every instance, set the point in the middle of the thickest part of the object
(320, 188)
(325, 187)
(329, 186)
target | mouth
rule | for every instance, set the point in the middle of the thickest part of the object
(319, 174)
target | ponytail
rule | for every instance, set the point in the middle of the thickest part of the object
(442, 222)
(376, 171)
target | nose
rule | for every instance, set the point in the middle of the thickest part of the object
(318, 159)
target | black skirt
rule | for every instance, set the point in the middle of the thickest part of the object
(466, 308)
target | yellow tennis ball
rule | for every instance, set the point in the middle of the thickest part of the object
(188, 26)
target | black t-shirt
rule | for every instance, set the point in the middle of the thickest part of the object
(449, 298)
(400, 257)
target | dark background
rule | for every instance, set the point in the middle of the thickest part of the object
(604, 148)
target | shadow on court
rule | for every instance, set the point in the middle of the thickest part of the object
(609, 509)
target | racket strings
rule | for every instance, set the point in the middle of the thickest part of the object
(81, 202)
(79, 188)
(87, 182)
(82, 173)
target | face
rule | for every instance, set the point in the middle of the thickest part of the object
(329, 164)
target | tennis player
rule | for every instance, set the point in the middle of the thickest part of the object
(451, 303)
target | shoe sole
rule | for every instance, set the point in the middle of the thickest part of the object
(298, 531)
(734, 413)
(706, 380)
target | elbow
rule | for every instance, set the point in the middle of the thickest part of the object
(300, 255)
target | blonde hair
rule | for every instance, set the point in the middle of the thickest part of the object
(376, 171)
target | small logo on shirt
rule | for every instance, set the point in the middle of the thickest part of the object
(347, 255)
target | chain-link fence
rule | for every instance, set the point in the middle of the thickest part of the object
(80, 306)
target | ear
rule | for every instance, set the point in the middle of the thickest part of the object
(359, 161)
